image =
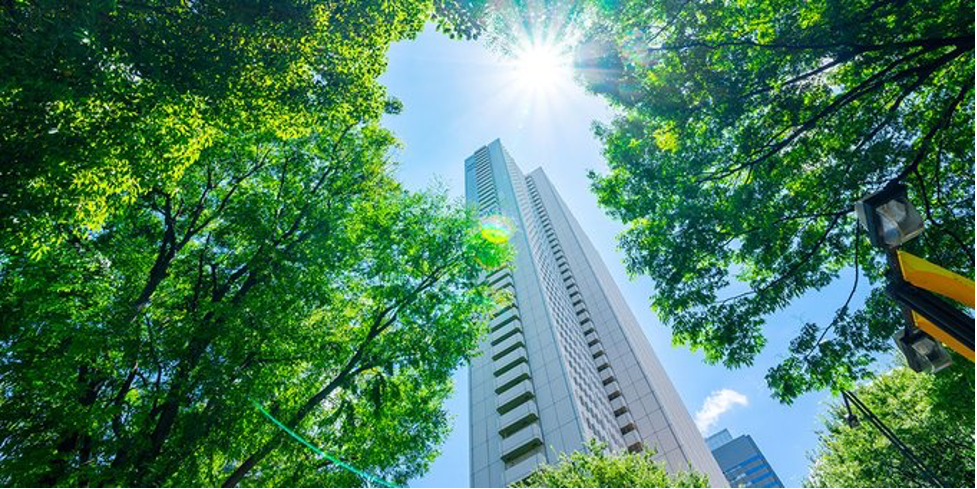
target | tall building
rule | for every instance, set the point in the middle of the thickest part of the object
(566, 361)
(742, 462)
(718, 439)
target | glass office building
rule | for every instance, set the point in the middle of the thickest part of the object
(742, 462)
(566, 361)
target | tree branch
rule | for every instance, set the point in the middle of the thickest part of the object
(193, 228)
(965, 41)
(774, 145)
(379, 324)
(964, 249)
(799, 78)
(782, 220)
(941, 123)
(843, 310)
(807, 256)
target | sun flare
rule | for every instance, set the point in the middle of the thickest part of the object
(540, 67)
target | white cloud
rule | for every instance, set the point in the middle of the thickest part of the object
(715, 405)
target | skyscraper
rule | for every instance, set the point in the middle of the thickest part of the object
(742, 462)
(566, 361)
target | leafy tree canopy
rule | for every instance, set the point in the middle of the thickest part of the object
(103, 101)
(198, 211)
(597, 468)
(932, 414)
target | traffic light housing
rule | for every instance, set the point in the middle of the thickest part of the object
(891, 221)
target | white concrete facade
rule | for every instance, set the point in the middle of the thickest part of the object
(567, 361)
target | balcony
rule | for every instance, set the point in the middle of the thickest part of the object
(488, 211)
(601, 363)
(612, 389)
(521, 442)
(596, 350)
(501, 282)
(521, 468)
(633, 441)
(504, 317)
(496, 275)
(516, 395)
(501, 334)
(607, 376)
(509, 361)
(505, 346)
(588, 326)
(487, 201)
(508, 289)
(517, 418)
(618, 406)
(512, 377)
(626, 423)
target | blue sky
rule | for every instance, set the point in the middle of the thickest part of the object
(459, 96)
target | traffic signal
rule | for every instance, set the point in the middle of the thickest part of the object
(891, 221)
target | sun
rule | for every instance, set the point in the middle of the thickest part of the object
(541, 67)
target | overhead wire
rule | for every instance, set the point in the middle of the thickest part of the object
(368, 478)
(896, 442)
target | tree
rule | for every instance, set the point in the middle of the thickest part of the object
(197, 213)
(598, 468)
(104, 101)
(745, 133)
(320, 289)
(511, 27)
(460, 18)
(932, 414)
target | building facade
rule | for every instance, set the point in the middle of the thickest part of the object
(566, 361)
(741, 461)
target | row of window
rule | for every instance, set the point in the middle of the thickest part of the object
(586, 350)
(515, 388)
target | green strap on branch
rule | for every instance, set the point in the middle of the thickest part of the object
(363, 475)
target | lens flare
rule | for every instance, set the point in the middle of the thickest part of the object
(497, 229)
